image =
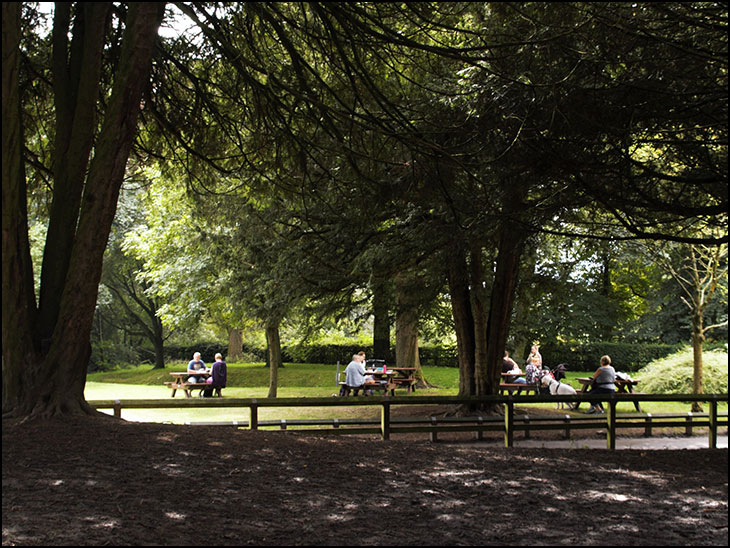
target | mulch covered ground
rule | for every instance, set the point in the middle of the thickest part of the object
(102, 481)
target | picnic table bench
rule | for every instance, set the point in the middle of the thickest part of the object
(180, 383)
(623, 386)
(510, 386)
(505, 386)
(403, 377)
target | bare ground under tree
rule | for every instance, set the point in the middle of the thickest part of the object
(96, 481)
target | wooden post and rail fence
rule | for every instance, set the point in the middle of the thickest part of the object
(510, 423)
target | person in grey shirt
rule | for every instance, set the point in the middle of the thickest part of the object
(603, 383)
(355, 373)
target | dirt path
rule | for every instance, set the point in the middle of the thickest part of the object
(100, 481)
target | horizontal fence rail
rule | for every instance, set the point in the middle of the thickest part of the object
(508, 424)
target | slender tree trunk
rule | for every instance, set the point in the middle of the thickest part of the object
(381, 321)
(406, 329)
(76, 88)
(274, 344)
(697, 338)
(479, 313)
(463, 318)
(47, 375)
(159, 343)
(500, 310)
(523, 297)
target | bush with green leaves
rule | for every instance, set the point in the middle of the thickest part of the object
(673, 374)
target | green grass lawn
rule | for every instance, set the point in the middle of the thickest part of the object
(250, 380)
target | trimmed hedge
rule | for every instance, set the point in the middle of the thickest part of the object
(208, 350)
(627, 357)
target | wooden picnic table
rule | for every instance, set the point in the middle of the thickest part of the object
(180, 382)
(623, 386)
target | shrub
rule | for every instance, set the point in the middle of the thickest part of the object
(107, 355)
(674, 374)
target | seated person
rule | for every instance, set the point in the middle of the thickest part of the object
(218, 373)
(603, 383)
(355, 376)
(196, 365)
(532, 370)
(510, 366)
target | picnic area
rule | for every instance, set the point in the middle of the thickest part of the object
(310, 273)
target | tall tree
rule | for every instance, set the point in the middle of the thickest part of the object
(46, 346)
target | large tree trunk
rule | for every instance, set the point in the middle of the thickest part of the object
(18, 297)
(406, 329)
(48, 376)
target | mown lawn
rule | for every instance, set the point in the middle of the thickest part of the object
(250, 380)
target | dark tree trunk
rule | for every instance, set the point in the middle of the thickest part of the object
(406, 327)
(479, 313)
(44, 362)
(521, 331)
(18, 297)
(381, 321)
(158, 342)
(76, 72)
(502, 299)
(463, 317)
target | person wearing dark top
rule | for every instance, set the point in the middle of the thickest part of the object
(218, 374)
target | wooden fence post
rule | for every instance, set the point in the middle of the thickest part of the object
(254, 421)
(385, 421)
(433, 433)
(118, 409)
(713, 424)
(509, 423)
(611, 426)
(479, 434)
